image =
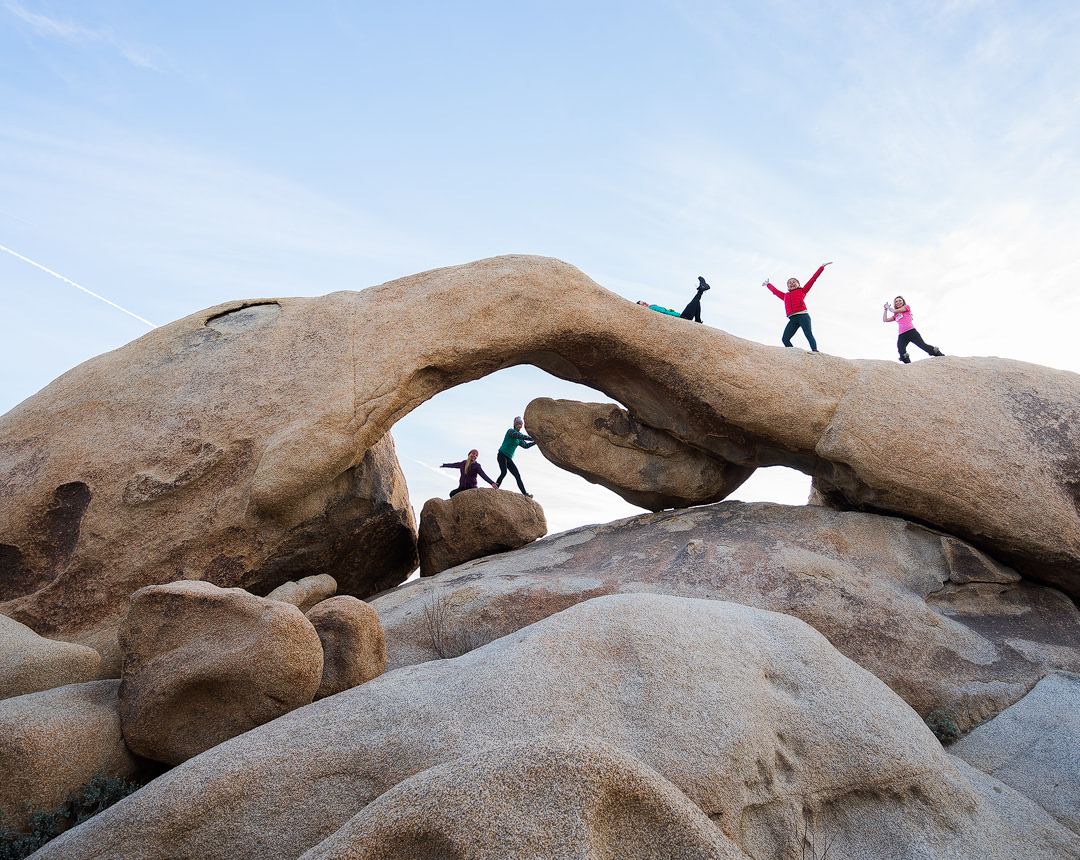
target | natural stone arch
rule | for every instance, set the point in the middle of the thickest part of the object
(260, 423)
(985, 448)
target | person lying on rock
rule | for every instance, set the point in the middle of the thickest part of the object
(470, 468)
(513, 438)
(659, 309)
(693, 310)
(795, 307)
(900, 312)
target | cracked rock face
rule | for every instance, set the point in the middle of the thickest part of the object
(241, 445)
(646, 467)
(942, 624)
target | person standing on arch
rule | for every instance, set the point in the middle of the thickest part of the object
(513, 438)
(795, 307)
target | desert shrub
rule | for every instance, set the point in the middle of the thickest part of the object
(447, 638)
(83, 803)
(943, 727)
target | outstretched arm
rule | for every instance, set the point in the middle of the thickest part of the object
(810, 283)
(452, 465)
(886, 315)
(775, 291)
(480, 471)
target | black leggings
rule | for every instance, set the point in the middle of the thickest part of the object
(693, 310)
(913, 336)
(504, 464)
(794, 323)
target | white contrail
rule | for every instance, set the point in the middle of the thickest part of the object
(69, 281)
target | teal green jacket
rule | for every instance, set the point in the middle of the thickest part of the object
(512, 439)
(667, 311)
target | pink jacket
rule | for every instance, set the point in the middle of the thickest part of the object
(903, 320)
(794, 300)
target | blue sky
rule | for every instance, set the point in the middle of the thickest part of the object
(170, 157)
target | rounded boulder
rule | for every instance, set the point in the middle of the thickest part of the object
(474, 524)
(353, 644)
(202, 664)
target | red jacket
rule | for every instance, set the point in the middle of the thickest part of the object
(794, 300)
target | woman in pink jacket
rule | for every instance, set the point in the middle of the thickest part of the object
(900, 313)
(795, 307)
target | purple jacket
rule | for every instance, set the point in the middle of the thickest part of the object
(468, 475)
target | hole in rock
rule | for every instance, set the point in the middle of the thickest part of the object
(477, 414)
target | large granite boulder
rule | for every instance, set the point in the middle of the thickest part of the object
(353, 644)
(474, 524)
(752, 715)
(136, 468)
(947, 627)
(1034, 747)
(203, 664)
(29, 663)
(571, 799)
(647, 467)
(56, 741)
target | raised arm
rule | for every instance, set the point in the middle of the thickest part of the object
(775, 291)
(810, 283)
(887, 315)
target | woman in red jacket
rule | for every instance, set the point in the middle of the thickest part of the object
(795, 307)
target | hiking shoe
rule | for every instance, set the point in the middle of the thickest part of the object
(904, 357)
(528, 495)
(937, 351)
(702, 286)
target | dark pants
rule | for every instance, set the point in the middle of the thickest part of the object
(504, 464)
(913, 336)
(460, 490)
(693, 310)
(796, 322)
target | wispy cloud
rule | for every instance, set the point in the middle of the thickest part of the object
(66, 29)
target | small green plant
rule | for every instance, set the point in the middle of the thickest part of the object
(943, 727)
(83, 803)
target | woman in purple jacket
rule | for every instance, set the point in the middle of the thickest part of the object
(469, 470)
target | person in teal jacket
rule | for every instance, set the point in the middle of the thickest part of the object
(513, 438)
(659, 309)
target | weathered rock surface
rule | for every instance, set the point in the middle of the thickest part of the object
(1034, 746)
(55, 741)
(137, 468)
(942, 624)
(747, 713)
(203, 664)
(474, 524)
(306, 592)
(353, 644)
(568, 795)
(647, 467)
(29, 663)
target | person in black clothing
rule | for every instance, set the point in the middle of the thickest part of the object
(693, 310)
